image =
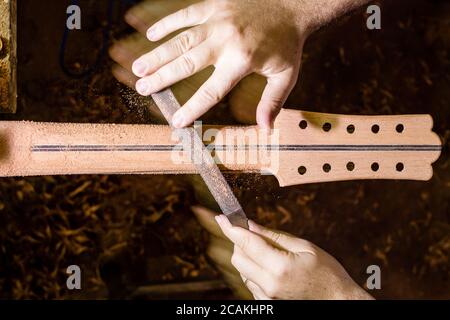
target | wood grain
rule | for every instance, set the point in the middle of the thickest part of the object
(415, 148)
(293, 152)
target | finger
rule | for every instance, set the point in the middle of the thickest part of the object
(188, 17)
(121, 55)
(245, 97)
(146, 13)
(249, 269)
(274, 97)
(169, 51)
(209, 94)
(127, 50)
(234, 281)
(252, 244)
(181, 68)
(256, 291)
(282, 240)
(124, 76)
(207, 220)
(137, 21)
(220, 252)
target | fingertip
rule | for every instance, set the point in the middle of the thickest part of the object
(139, 68)
(264, 123)
(223, 222)
(116, 51)
(178, 120)
(201, 211)
(265, 118)
(219, 219)
(142, 87)
(152, 34)
(130, 18)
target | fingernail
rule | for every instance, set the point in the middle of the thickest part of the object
(178, 120)
(139, 68)
(142, 87)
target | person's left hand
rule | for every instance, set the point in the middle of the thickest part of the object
(275, 265)
(238, 38)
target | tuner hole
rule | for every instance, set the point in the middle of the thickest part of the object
(326, 127)
(375, 167)
(351, 129)
(350, 166)
(302, 170)
(326, 167)
(400, 128)
(400, 167)
(303, 124)
(375, 128)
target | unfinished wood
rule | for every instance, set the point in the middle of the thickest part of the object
(8, 56)
(305, 147)
(379, 147)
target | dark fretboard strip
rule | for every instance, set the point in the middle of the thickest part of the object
(166, 148)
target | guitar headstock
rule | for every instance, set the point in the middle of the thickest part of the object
(317, 147)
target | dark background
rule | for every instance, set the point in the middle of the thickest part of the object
(129, 231)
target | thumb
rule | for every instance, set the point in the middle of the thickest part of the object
(274, 96)
(253, 245)
(282, 240)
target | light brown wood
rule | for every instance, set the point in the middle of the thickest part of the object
(414, 149)
(30, 149)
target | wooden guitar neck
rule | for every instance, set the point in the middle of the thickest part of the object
(304, 147)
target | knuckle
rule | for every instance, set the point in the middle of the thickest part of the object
(245, 241)
(156, 57)
(272, 289)
(184, 42)
(184, 14)
(211, 95)
(221, 5)
(246, 56)
(275, 236)
(272, 103)
(187, 64)
(232, 29)
(281, 269)
(235, 260)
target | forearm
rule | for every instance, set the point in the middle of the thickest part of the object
(316, 13)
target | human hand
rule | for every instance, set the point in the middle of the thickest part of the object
(275, 265)
(220, 250)
(244, 98)
(237, 37)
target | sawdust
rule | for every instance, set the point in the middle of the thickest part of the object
(351, 220)
(134, 102)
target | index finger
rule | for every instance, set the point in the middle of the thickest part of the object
(253, 245)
